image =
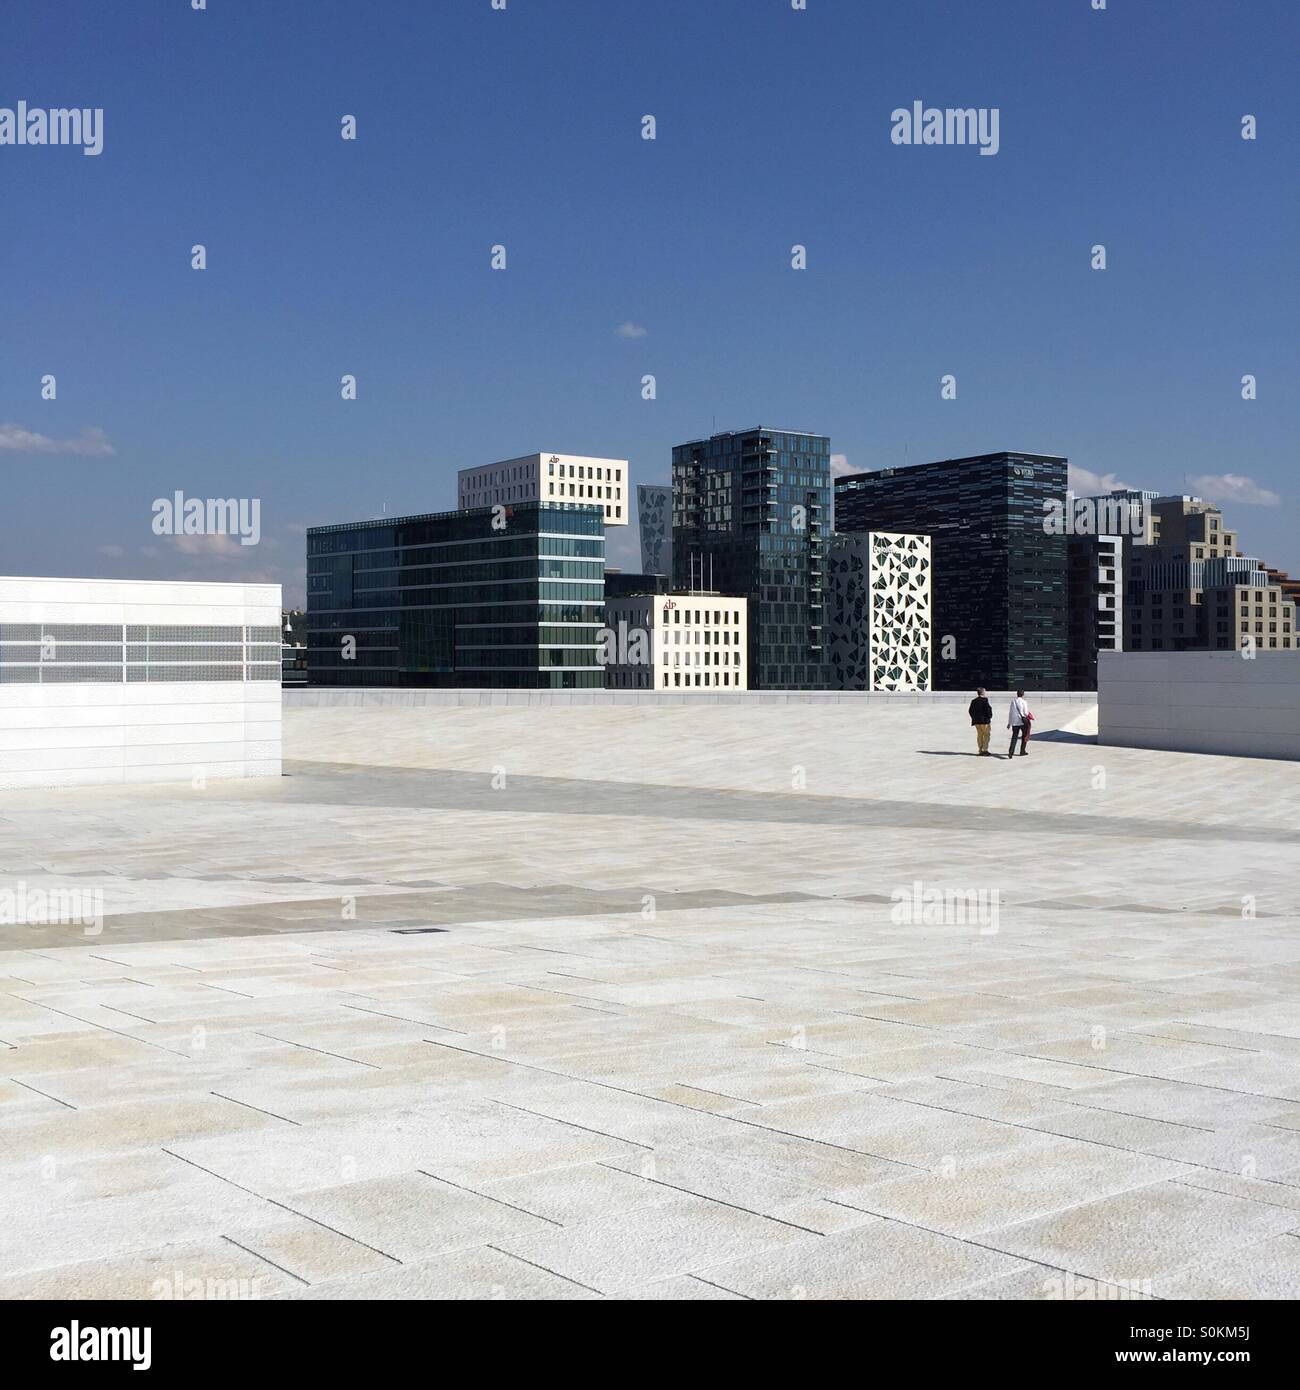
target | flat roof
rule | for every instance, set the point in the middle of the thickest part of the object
(596, 507)
(149, 583)
(966, 458)
(754, 429)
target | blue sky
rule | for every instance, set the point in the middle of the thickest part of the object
(523, 127)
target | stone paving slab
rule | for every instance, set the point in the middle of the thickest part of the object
(648, 1023)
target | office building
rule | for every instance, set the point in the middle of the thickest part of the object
(112, 680)
(751, 516)
(1095, 596)
(677, 642)
(619, 583)
(1127, 512)
(1288, 587)
(548, 477)
(1247, 612)
(480, 598)
(878, 611)
(998, 570)
(1190, 589)
(654, 514)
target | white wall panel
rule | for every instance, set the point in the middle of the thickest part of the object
(1201, 702)
(94, 733)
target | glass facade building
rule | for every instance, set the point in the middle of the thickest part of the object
(751, 517)
(1000, 612)
(505, 597)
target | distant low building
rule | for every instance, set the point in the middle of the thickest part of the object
(677, 642)
(618, 584)
(293, 647)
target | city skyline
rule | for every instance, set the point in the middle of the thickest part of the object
(626, 257)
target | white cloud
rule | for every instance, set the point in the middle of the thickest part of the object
(92, 442)
(631, 330)
(212, 547)
(216, 556)
(1085, 483)
(840, 466)
(1233, 487)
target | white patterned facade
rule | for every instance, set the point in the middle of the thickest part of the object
(654, 509)
(879, 618)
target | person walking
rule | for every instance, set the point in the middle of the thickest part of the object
(1018, 723)
(981, 718)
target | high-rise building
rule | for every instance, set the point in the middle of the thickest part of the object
(677, 642)
(1190, 589)
(751, 516)
(878, 611)
(1095, 589)
(487, 597)
(998, 568)
(654, 512)
(548, 478)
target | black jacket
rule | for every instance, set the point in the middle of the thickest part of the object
(981, 712)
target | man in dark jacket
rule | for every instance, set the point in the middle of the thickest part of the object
(981, 716)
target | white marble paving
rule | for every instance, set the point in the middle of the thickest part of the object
(671, 1036)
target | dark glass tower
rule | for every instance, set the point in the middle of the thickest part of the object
(751, 517)
(506, 597)
(999, 577)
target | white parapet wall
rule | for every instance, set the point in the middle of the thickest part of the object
(333, 697)
(114, 681)
(1201, 702)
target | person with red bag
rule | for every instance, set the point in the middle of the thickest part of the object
(1018, 721)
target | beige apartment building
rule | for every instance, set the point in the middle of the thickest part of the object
(548, 478)
(677, 642)
(1188, 588)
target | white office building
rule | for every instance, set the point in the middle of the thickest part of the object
(548, 478)
(879, 611)
(105, 680)
(676, 642)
